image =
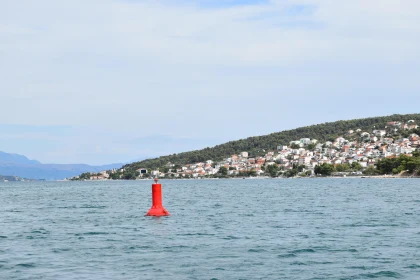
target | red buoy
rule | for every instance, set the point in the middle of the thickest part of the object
(157, 209)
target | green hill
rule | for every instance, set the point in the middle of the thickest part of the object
(256, 145)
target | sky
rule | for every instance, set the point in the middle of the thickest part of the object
(105, 81)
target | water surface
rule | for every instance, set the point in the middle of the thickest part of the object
(219, 229)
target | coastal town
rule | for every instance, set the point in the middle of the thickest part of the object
(350, 154)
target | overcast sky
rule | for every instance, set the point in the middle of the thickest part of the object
(102, 81)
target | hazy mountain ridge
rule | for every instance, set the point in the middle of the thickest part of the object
(15, 158)
(21, 166)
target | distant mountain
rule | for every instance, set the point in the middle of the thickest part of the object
(21, 166)
(15, 158)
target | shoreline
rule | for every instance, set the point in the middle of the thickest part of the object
(263, 178)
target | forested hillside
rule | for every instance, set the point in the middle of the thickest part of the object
(256, 145)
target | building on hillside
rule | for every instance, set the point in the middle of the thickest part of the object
(305, 141)
(304, 160)
(244, 154)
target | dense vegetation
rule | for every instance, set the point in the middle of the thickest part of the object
(326, 169)
(256, 145)
(408, 165)
(400, 164)
(128, 175)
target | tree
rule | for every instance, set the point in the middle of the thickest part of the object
(223, 171)
(413, 164)
(342, 167)
(252, 173)
(291, 173)
(300, 168)
(294, 146)
(130, 176)
(273, 170)
(356, 166)
(399, 164)
(387, 165)
(85, 176)
(311, 146)
(370, 171)
(114, 176)
(324, 169)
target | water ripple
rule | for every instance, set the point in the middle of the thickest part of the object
(219, 229)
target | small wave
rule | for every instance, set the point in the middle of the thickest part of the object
(59, 250)
(176, 247)
(92, 233)
(390, 274)
(315, 262)
(413, 266)
(40, 231)
(139, 247)
(186, 265)
(345, 250)
(286, 256)
(93, 206)
(228, 257)
(196, 234)
(372, 225)
(26, 265)
(362, 267)
(302, 251)
(278, 226)
(230, 237)
(298, 263)
(256, 250)
(2, 236)
(381, 274)
(35, 237)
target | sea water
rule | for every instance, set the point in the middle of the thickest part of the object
(218, 229)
